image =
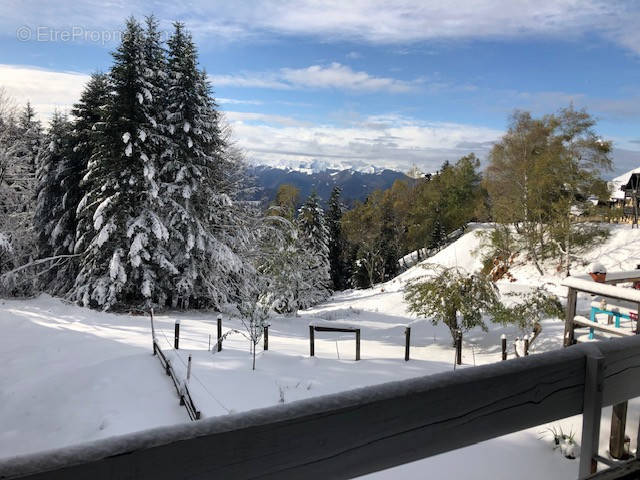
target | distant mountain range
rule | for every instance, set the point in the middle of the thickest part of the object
(356, 185)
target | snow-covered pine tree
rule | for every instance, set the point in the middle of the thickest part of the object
(13, 171)
(53, 236)
(126, 254)
(282, 262)
(19, 143)
(31, 131)
(313, 237)
(337, 264)
(199, 185)
(89, 114)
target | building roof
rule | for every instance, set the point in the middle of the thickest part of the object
(618, 182)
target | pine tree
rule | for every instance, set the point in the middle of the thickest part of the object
(203, 218)
(338, 268)
(438, 235)
(126, 254)
(20, 142)
(314, 243)
(15, 231)
(294, 256)
(388, 242)
(54, 237)
(31, 131)
(89, 114)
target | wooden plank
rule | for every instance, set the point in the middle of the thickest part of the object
(585, 322)
(335, 329)
(586, 284)
(618, 427)
(591, 415)
(569, 338)
(266, 338)
(626, 471)
(185, 396)
(407, 343)
(346, 434)
(622, 366)
(354, 432)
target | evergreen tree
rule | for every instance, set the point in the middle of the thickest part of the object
(31, 131)
(126, 254)
(314, 243)
(88, 140)
(20, 141)
(16, 232)
(337, 264)
(199, 185)
(294, 256)
(53, 236)
(388, 242)
(282, 264)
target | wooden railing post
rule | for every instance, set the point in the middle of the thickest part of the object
(618, 426)
(526, 345)
(219, 319)
(407, 343)
(312, 347)
(459, 347)
(176, 334)
(357, 344)
(503, 344)
(591, 413)
(569, 334)
(266, 338)
(153, 332)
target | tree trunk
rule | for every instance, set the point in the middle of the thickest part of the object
(254, 355)
(534, 256)
(452, 323)
(567, 245)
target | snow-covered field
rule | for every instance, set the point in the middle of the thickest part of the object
(71, 375)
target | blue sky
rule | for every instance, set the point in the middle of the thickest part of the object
(358, 83)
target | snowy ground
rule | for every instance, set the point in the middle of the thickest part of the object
(70, 374)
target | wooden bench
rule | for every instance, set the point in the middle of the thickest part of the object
(616, 310)
(585, 322)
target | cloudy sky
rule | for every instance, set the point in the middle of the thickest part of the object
(356, 83)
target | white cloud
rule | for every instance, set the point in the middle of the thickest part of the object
(334, 75)
(249, 80)
(384, 141)
(373, 21)
(265, 118)
(46, 90)
(235, 101)
(342, 77)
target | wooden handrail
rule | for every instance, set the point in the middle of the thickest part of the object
(360, 431)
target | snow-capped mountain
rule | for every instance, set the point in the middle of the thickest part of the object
(355, 184)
